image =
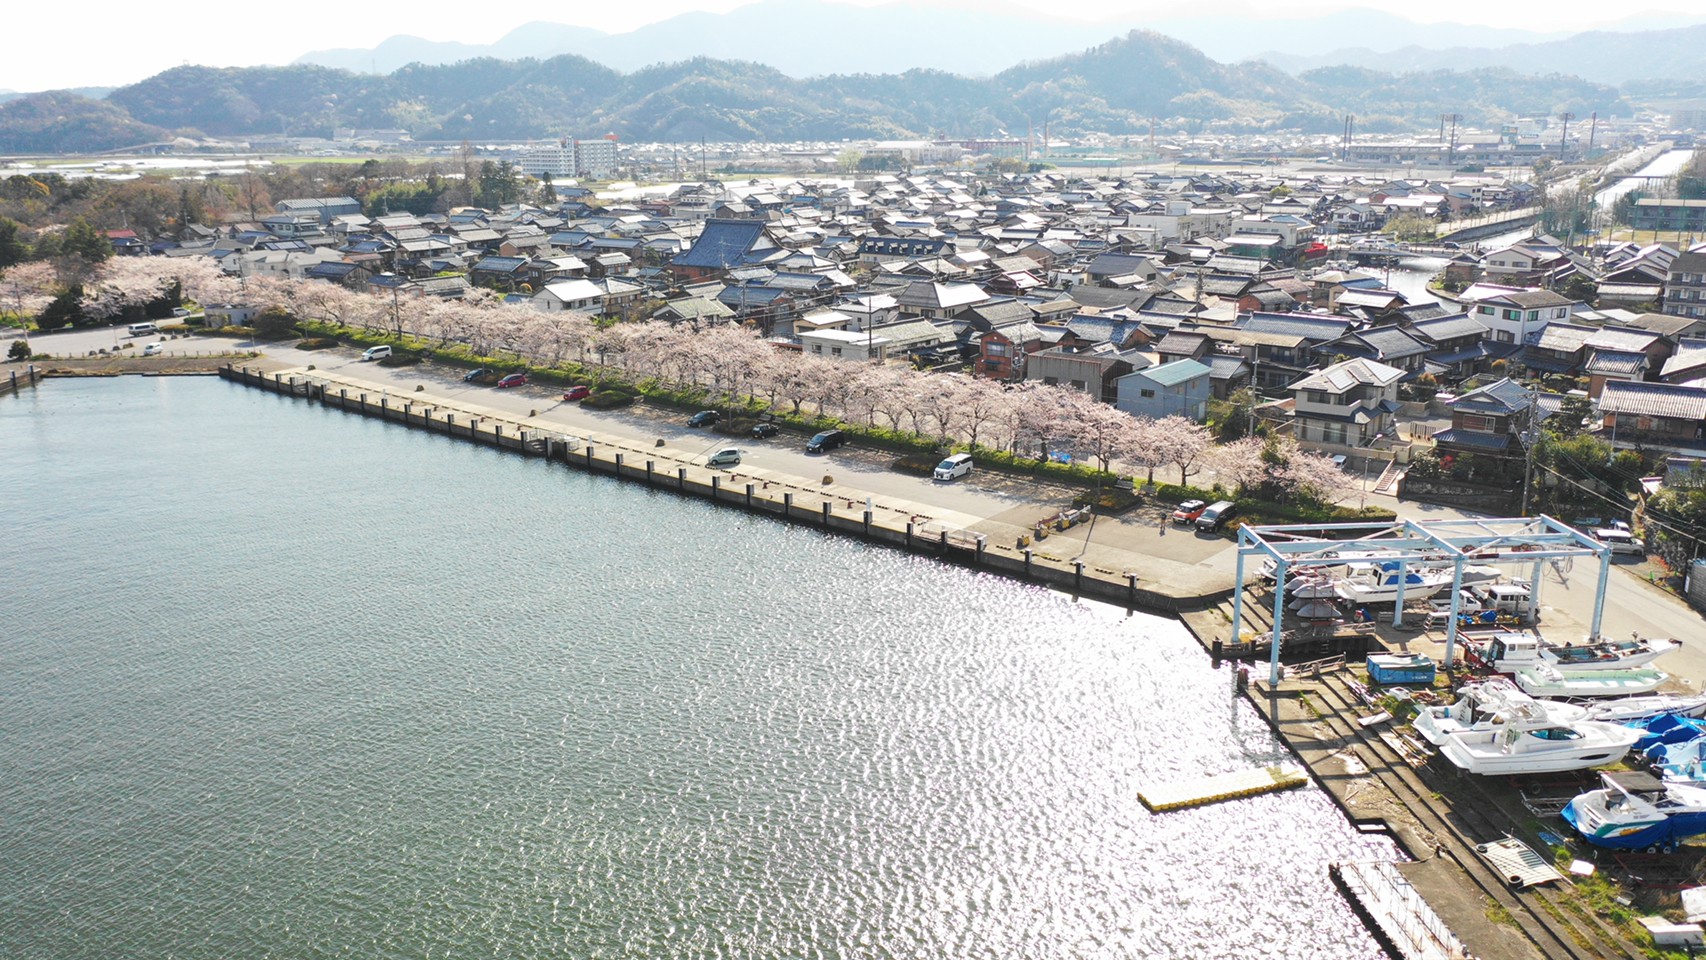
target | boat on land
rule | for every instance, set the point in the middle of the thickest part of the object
(1510, 651)
(1648, 707)
(1487, 705)
(1637, 811)
(1545, 680)
(1529, 741)
(1378, 583)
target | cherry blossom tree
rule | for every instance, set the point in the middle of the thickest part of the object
(1241, 464)
(27, 288)
(1185, 442)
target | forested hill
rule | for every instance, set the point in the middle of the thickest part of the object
(1116, 87)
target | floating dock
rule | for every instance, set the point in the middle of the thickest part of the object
(1226, 786)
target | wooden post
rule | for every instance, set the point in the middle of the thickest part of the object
(826, 514)
(909, 534)
(942, 540)
(589, 456)
(867, 524)
(1130, 591)
(649, 465)
(716, 484)
(749, 496)
(788, 505)
(1027, 561)
(1215, 651)
(681, 478)
(1077, 576)
(982, 543)
(618, 464)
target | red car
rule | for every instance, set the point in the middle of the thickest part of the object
(512, 380)
(578, 392)
(1189, 511)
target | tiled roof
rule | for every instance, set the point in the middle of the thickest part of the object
(1653, 400)
(1469, 438)
(1616, 363)
(1343, 376)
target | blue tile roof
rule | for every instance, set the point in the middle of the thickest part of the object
(723, 244)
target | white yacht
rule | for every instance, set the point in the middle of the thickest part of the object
(1511, 651)
(1634, 811)
(1489, 704)
(1530, 741)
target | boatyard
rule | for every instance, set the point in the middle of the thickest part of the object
(1496, 870)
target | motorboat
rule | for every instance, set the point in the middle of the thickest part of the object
(1510, 651)
(1648, 707)
(1378, 583)
(1637, 811)
(1545, 680)
(1530, 741)
(1486, 705)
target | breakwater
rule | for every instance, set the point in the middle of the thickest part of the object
(796, 500)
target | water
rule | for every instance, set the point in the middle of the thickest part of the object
(280, 682)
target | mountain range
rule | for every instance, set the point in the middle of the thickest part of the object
(789, 36)
(1114, 87)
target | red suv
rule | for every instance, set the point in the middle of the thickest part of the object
(512, 380)
(1189, 511)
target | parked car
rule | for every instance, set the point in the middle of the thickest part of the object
(579, 391)
(826, 441)
(1621, 542)
(153, 349)
(766, 429)
(953, 467)
(376, 353)
(704, 418)
(726, 457)
(476, 375)
(512, 380)
(1215, 515)
(1189, 511)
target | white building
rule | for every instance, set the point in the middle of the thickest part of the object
(570, 160)
(843, 345)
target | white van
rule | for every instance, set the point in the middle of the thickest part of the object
(1621, 541)
(376, 353)
(954, 467)
(143, 329)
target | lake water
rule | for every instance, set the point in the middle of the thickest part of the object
(276, 681)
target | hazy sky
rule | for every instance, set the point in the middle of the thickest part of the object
(108, 43)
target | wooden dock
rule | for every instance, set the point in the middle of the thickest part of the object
(1198, 791)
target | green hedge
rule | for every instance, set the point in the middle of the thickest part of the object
(317, 343)
(1175, 494)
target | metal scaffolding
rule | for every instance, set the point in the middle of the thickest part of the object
(1424, 543)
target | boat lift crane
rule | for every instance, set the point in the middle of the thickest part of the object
(1536, 540)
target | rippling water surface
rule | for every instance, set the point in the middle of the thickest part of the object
(280, 682)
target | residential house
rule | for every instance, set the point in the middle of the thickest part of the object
(1346, 407)
(724, 245)
(1392, 345)
(1653, 415)
(1685, 286)
(1489, 421)
(844, 345)
(1516, 315)
(1180, 388)
(1095, 369)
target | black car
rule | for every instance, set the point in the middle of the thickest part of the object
(704, 418)
(762, 430)
(475, 376)
(826, 441)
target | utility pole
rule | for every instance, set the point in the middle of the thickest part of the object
(1451, 145)
(1528, 448)
(1564, 135)
(1593, 128)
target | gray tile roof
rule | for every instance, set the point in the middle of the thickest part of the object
(1350, 373)
(1653, 400)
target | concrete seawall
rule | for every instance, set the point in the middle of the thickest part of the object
(793, 500)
